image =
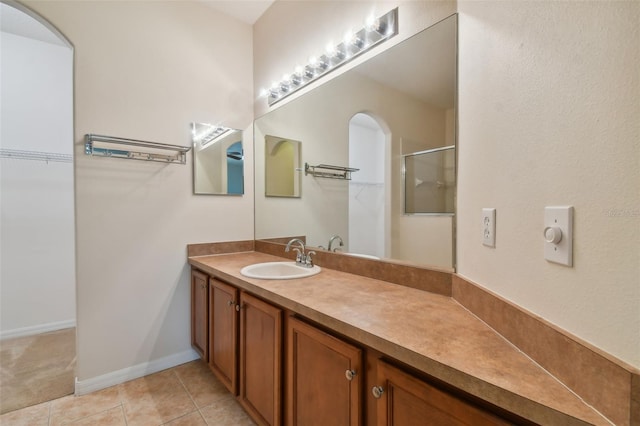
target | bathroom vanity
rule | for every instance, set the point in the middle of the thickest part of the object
(339, 348)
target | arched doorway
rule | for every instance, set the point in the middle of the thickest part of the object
(369, 206)
(37, 224)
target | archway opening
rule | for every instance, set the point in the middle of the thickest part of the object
(37, 225)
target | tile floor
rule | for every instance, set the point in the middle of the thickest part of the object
(186, 395)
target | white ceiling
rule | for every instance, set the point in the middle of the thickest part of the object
(245, 10)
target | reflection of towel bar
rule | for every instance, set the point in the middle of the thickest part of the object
(337, 172)
(149, 151)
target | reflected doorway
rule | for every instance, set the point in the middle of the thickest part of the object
(37, 222)
(369, 208)
(235, 169)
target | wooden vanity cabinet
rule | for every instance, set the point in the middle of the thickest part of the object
(328, 380)
(199, 313)
(404, 400)
(240, 337)
(324, 378)
(223, 333)
(260, 360)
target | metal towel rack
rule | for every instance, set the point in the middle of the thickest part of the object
(106, 146)
(336, 172)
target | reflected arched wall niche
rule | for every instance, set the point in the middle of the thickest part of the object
(38, 305)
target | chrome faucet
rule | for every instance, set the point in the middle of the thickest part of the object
(332, 239)
(301, 257)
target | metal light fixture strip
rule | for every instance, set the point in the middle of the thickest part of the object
(375, 32)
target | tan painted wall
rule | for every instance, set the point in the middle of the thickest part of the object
(549, 116)
(146, 70)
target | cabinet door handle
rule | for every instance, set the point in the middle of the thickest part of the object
(238, 307)
(377, 391)
(350, 374)
(230, 303)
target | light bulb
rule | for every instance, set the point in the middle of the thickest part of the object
(348, 36)
(371, 23)
(331, 50)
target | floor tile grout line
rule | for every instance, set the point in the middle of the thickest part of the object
(124, 414)
(175, 372)
(89, 415)
(184, 415)
(191, 397)
(185, 388)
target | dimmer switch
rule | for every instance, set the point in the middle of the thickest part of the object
(558, 234)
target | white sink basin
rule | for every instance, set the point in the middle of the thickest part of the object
(278, 271)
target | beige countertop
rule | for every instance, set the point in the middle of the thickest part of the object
(429, 332)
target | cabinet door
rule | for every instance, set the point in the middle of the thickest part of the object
(324, 378)
(260, 360)
(199, 314)
(406, 400)
(223, 333)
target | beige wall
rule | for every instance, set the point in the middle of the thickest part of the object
(146, 70)
(548, 115)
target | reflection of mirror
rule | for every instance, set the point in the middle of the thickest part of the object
(399, 102)
(218, 160)
(282, 167)
(429, 179)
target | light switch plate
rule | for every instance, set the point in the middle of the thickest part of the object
(489, 227)
(558, 223)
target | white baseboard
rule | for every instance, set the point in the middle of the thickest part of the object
(37, 329)
(84, 387)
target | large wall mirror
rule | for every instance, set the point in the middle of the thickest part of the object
(399, 102)
(218, 160)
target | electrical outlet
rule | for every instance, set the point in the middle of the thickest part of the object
(489, 227)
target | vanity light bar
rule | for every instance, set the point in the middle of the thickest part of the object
(375, 31)
(210, 135)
